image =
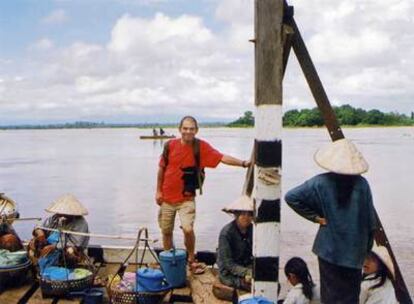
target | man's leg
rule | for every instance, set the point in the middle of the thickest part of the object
(166, 218)
(186, 211)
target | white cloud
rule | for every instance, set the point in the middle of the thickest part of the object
(43, 44)
(138, 35)
(55, 17)
(170, 65)
(331, 45)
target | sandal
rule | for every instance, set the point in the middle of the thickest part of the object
(196, 267)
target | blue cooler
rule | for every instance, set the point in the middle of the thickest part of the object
(173, 263)
(151, 280)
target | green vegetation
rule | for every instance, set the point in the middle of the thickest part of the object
(247, 120)
(100, 125)
(346, 114)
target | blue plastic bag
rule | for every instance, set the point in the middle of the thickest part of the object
(51, 259)
(54, 273)
(53, 238)
(256, 300)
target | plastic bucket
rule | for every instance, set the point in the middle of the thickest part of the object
(151, 280)
(90, 296)
(174, 263)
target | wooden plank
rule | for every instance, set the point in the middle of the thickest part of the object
(201, 286)
(336, 133)
(12, 295)
(118, 254)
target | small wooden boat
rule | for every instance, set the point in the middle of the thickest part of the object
(157, 136)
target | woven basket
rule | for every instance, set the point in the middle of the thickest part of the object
(14, 275)
(118, 296)
(60, 288)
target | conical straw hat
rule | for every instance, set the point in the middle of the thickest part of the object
(382, 253)
(341, 157)
(68, 205)
(243, 203)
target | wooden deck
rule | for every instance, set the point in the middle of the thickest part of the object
(198, 290)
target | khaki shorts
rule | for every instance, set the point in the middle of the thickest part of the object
(166, 216)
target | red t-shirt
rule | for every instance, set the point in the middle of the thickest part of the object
(181, 156)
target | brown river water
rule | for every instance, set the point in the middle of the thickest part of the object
(113, 173)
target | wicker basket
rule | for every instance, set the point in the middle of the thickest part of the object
(118, 296)
(14, 275)
(60, 288)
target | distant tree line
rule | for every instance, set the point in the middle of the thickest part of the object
(101, 125)
(346, 114)
(244, 121)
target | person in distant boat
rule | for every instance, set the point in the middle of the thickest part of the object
(304, 290)
(68, 214)
(340, 201)
(377, 278)
(234, 255)
(162, 132)
(154, 132)
(180, 173)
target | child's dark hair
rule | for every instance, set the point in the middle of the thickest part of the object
(382, 273)
(298, 267)
(188, 117)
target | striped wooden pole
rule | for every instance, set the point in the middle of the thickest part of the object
(268, 146)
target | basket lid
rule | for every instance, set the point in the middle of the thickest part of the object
(150, 273)
(177, 254)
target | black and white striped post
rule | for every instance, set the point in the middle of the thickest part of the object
(268, 146)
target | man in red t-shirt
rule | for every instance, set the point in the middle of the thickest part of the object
(172, 193)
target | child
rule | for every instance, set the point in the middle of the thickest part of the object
(304, 291)
(378, 273)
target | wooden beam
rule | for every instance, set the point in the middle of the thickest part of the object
(269, 69)
(336, 133)
(315, 83)
(287, 46)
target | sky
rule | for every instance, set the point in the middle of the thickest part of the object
(136, 61)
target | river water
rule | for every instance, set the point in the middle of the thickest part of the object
(113, 173)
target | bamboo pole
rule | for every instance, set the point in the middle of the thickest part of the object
(268, 145)
(96, 235)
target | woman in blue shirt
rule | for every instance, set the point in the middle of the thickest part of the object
(340, 202)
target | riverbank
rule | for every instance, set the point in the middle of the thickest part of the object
(174, 125)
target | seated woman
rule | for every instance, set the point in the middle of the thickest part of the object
(234, 256)
(378, 272)
(304, 291)
(68, 214)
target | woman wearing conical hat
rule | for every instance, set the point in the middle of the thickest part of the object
(340, 202)
(9, 239)
(68, 214)
(377, 278)
(234, 256)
